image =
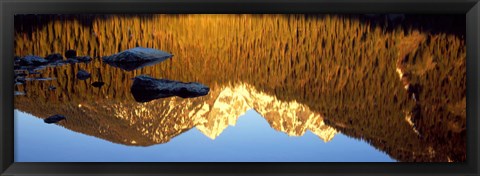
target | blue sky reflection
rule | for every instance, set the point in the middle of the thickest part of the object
(250, 140)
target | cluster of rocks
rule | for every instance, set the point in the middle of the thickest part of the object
(30, 64)
(20, 77)
(54, 59)
(144, 88)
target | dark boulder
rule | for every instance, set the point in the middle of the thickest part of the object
(71, 61)
(58, 62)
(145, 89)
(70, 54)
(54, 119)
(98, 84)
(83, 75)
(32, 60)
(54, 57)
(136, 58)
(84, 58)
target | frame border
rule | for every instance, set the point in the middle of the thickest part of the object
(471, 8)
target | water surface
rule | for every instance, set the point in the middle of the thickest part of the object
(250, 140)
(282, 88)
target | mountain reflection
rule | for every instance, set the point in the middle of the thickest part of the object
(327, 74)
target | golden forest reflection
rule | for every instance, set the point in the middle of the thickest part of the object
(326, 74)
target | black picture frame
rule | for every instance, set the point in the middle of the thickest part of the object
(471, 8)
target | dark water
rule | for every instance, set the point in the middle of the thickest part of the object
(323, 75)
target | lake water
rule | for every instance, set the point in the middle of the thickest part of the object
(252, 139)
(283, 88)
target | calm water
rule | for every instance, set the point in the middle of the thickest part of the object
(250, 140)
(282, 88)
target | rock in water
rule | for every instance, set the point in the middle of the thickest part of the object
(83, 75)
(98, 84)
(136, 58)
(32, 60)
(84, 58)
(145, 89)
(54, 119)
(54, 57)
(70, 54)
(71, 61)
(138, 54)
